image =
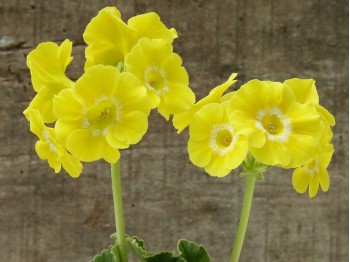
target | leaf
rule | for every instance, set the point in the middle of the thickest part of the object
(137, 247)
(105, 256)
(192, 252)
(164, 257)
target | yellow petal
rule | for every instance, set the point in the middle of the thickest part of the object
(108, 38)
(272, 153)
(203, 121)
(64, 112)
(238, 154)
(89, 146)
(48, 63)
(302, 148)
(324, 179)
(199, 153)
(149, 25)
(300, 180)
(313, 186)
(44, 152)
(303, 89)
(182, 120)
(217, 166)
(131, 128)
(72, 165)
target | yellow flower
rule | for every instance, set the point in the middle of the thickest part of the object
(47, 64)
(314, 173)
(109, 38)
(281, 130)
(159, 69)
(182, 120)
(48, 147)
(214, 144)
(305, 91)
(149, 25)
(105, 111)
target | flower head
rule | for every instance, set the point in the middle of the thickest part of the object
(214, 144)
(110, 39)
(107, 111)
(182, 120)
(159, 69)
(48, 147)
(281, 130)
(47, 64)
(314, 173)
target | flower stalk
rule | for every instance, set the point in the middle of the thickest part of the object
(243, 222)
(118, 211)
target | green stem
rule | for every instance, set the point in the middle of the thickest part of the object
(118, 210)
(243, 222)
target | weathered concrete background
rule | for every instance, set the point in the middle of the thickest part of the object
(47, 217)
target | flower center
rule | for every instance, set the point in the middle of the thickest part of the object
(222, 139)
(103, 115)
(274, 124)
(156, 80)
(312, 168)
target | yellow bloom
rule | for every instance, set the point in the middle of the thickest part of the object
(305, 91)
(214, 144)
(149, 25)
(314, 173)
(47, 64)
(105, 111)
(48, 147)
(281, 130)
(182, 120)
(159, 69)
(109, 38)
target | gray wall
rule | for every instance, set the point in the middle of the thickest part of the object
(52, 217)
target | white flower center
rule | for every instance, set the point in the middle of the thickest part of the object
(222, 139)
(274, 124)
(156, 80)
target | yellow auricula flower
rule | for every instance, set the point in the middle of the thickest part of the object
(155, 64)
(214, 144)
(105, 111)
(314, 173)
(182, 120)
(110, 39)
(281, 130)
(47, 64)
(48, 147)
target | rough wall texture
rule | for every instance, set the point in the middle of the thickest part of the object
(48, 217)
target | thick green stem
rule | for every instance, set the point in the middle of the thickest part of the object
(118, 210)
(243, 222)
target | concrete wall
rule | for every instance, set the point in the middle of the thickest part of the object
(52, 217)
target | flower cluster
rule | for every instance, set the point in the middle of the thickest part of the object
(279, 124)
(131, 68)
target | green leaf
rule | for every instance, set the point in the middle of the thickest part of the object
(192, 252)
(164, 257)
(137, 247)
(105, 256)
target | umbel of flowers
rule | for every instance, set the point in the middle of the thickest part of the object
(130, 69)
